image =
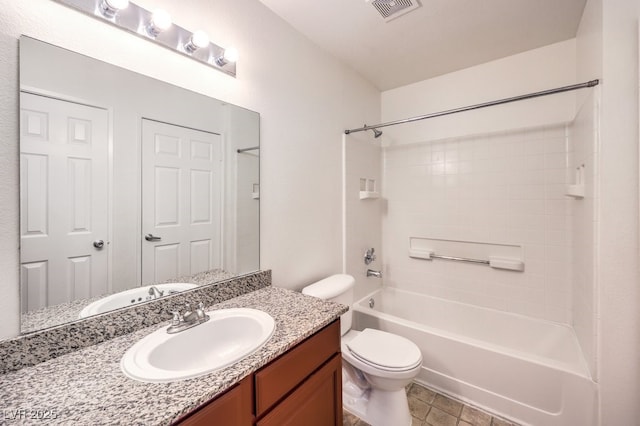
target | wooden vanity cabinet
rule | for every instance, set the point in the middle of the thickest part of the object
(316, 402)
(302, 386)
(234, 407)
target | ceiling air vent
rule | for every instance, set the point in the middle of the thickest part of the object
(392, 9)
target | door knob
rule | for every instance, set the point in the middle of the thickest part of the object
(151, 237)
(98, 244)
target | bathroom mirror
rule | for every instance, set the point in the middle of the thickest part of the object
(126, 182)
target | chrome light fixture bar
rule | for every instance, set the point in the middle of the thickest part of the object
(156, 26)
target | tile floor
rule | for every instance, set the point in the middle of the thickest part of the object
(429, 408)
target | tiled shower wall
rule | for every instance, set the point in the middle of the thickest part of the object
(494, 188)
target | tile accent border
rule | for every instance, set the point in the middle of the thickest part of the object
(31, 349)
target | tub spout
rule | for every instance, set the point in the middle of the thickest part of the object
(372, 273)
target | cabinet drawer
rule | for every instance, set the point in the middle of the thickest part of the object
(278, 378)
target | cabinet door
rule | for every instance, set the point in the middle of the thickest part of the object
(317, 402)
(233, 408)
(280, 377)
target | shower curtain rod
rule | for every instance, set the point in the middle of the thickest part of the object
(591, 83)
(253, 148)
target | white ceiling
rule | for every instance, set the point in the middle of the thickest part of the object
(440, 37)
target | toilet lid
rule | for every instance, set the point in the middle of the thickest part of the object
(385, 350)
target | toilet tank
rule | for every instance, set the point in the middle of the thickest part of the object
(336, 288)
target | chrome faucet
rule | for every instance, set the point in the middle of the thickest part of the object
(372, 273)
(181, 322)
(155, 293)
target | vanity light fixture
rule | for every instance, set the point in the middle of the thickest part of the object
(157, 27)
(198, 40)
(160, 21)
(110, 8)
(230, 55)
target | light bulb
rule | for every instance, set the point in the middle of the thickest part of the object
(229, 55)
(109, 8)
(160, 21)
(198, 40)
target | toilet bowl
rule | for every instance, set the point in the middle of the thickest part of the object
(388, 363)
(377, 365)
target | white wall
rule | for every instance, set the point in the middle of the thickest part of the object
(494, 176)
(618, 311)
(539, 69)
(305, 98)
(585, 139)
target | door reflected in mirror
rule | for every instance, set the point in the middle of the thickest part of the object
(126, 182)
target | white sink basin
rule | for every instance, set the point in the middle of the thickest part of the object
(130, 297)
(229, 336)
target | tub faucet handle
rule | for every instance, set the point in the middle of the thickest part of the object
(369, 256)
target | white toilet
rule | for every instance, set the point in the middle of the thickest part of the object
(376, 365)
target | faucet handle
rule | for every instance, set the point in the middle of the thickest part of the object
(200, 310)
(177, 318)
(369, 256)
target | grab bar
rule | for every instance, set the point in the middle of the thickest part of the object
(494, 262)
(460, 259)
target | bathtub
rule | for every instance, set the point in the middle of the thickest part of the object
(529, 371)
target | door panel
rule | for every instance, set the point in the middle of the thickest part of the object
(34, 170)
(79, 181)
(33, 285)
(201, 193)
(167, 197)
(181, 201)
(167, 261)
(63, 200)
(79, 276)
(201, 256)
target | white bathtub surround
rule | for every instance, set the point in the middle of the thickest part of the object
(528, 370)
(495, 188)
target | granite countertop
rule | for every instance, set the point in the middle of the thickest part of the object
(87, 386)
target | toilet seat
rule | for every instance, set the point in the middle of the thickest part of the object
(385, 351)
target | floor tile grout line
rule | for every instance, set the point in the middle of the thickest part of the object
(443, 410)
